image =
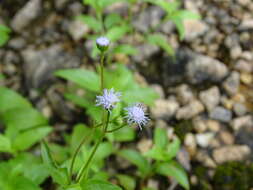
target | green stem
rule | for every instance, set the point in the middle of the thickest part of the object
(102, 71)
(86, 138)
(110, 131)
(86, 165)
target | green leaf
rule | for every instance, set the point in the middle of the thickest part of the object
(160, 138)
(46, 155)
(125, 134)
(59, 175)
(2, 76)
(5, 144)
(86, 79)
(20, 182)
(92, 22)
(125, 49)
(185, 14)
(137, 159)
(169, 7)
(78, 100)
(10, 99)
(4, 34)
(144, 95)
(161, 41)
(99, 185)
(180, 27)
(117, 32)
(112, 20)
(173, 169)
(23, 118)
(173, 148)
(28, 138)
(126, 181)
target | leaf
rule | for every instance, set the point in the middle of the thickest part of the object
(143, 95)
(125, 134)
(46, 155)
(180, 27)
(20, 182)
(185, 14)
(112, 20)
(173, 169)
(92, 22)
(161, 41)
(99, 185)
(125, 49)
(126, 181)
(10, 99)
(117, 32)
(23, 118)
(5, 144)
(160, 138)
(169, 7)
(59, 175)
(173, 148)
(105, 3)
(28, 138)
(86, 79)
(4, 34)
(78, 100)
(137, 159)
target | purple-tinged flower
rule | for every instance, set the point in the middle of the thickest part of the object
(103, 43)
(108, 99)
(136, 114)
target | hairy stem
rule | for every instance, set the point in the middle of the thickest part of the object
(86, 165)
(102, 71)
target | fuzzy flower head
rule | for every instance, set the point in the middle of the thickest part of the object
(102, 43)
(136, 114)
(108, 99)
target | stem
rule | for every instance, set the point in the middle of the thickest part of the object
(110, 131)
(102, 70)
(81, 173)
(86, 138)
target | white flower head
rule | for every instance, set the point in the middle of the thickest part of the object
(136, 114)
(108, 99)
(103, 43)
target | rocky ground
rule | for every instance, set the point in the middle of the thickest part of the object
(206, 92)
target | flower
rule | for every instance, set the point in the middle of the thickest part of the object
(108, 99)
(136, 114)
(102, 43)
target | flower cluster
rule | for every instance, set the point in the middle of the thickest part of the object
(135, 114)
(102, 43)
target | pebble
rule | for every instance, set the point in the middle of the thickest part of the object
(190, 143)
(246, 78)
(190, 110)
(221, 114)
(199, 124)
(184, 94)
(203, 157)
(243, 66)
(226, 137)
(24, 16)
(231, 84)
(164, 108)
(202, 68)
(210, 98)
(194, 29)
(77, 29)
(239, 109)
(213, 125)
(204, 139)
(244, 121)
(231, 153)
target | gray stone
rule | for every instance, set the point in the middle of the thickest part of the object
(164, 109)
(190, 110)
(244, 66)
(221, 114)
(184, 94)
(240, 122)
(204, 139)
(17, 43)
(60, 4)
(210, 98)
(148, 18)
(199, 124)
(145, 52)
(246, 24)
(239, 109)
(194, 29)
(231, 153)
(24, 16)
(40, 64)
(77, 29)
(231, 84)
(202, 68)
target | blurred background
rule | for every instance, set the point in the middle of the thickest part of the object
(206, 88)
